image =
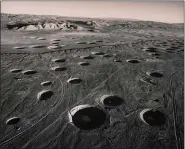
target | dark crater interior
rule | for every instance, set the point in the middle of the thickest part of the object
(46, 95)
(89, 118)
(156, 74)
(59, 60)
(133, 61)
(47, 83)
(112, 101)
(13, 121)
(15, 70)
(29, 72)
(60, 69)
(87, 57)
(75, 81)
(154, 118)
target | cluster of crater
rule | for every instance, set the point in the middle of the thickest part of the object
(74, 80)
(25, 72)
(54, 44)
(89, 117)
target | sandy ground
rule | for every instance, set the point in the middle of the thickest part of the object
(45, 124)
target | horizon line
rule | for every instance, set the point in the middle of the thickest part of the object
(104, 18)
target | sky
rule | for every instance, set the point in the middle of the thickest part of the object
(169, 12)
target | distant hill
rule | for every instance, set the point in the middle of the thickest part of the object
(25, 22)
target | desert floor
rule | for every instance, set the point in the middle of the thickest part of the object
(100, 84)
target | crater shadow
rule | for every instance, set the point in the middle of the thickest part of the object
(89, 118)
(13, 121)
(53, 40)
(117, 60)
(87, 57)
(44, 94)
(151, 49)
(46, 83)
(55, 43)
(133, 61)
(59, 68)
(97, 53)
(83, 42)
(15, 70)
(106, 55)
(37, 46)
(58, 60)
(99, 40)
(155, 74)
(29, 72)
(74, 80)
(91, 42)
(153, 117)
(111, 101)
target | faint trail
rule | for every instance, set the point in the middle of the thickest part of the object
(36, 104)
(5, 142)
(71, 107)
(62, 84)
(22, 58)
(175, 119)
(90, 93)
(11, 82)
(62, 93)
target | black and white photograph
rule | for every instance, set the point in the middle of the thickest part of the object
(92, 74)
